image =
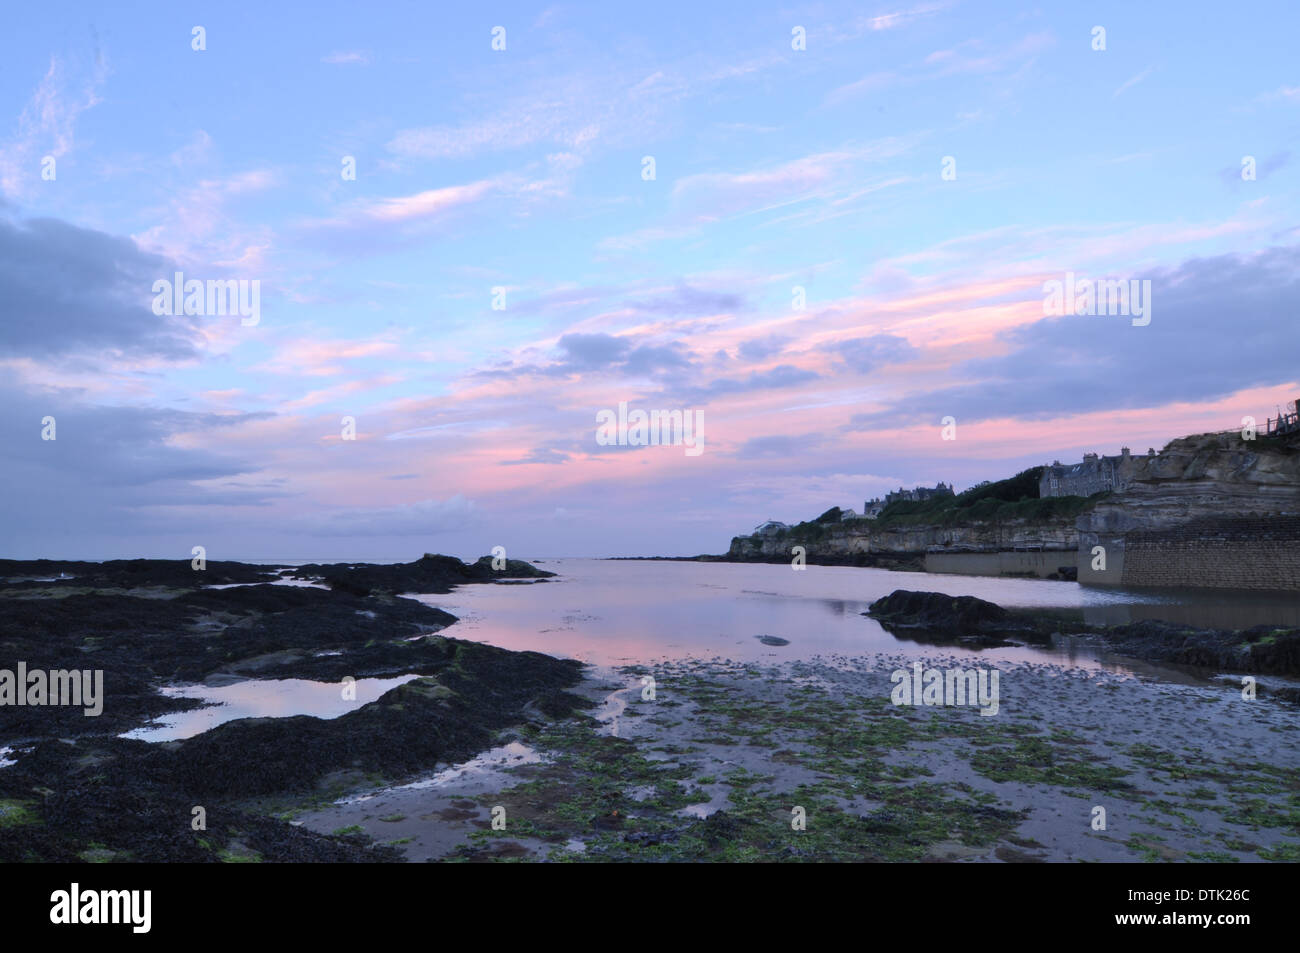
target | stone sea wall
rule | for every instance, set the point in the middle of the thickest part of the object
(1210, 552)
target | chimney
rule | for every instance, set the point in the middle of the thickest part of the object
(1123, 453)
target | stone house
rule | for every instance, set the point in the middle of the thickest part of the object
(1094, 474)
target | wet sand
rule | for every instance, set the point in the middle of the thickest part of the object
(1188, 771)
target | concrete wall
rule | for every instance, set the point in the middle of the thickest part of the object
(999, 564)
(1101, 569)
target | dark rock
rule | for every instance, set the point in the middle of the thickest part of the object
(936, 610)
(1262, 649)
(126, 574)
(428, 574)
(882, 821)
(80, 784)
(938, 618)
(721, 828)
(649, 838)
(345, 584)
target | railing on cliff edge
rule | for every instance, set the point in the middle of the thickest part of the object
(1283, 425)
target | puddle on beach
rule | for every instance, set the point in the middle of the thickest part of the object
(275, 579)
(261, 698)
(480, 775)
(611, 710)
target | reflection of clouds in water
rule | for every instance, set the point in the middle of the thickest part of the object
(261, 698)
(477, 776)
(642, 612)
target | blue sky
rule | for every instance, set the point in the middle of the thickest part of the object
(522, 169)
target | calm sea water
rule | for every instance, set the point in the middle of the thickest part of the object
(619, 612)
(636, 611)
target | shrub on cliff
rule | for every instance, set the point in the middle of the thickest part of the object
(1015, 498)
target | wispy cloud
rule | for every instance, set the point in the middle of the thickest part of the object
(347, 58)
(1284, 93)
(1132, 81)
(47, 126)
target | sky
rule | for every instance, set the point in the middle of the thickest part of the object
(824, 230)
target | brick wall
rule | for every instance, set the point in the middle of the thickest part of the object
(1261, 553)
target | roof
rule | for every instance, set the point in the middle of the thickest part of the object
(1082, 468)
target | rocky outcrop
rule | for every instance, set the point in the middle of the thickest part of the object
(75, 787)
(936, 610)
(935, 616)
(939, 617)
(1261, 649)
(1206, 475)
(429, 573)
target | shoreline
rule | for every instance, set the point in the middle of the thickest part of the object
(585, 766)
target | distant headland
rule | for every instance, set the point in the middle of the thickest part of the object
(1211, 510)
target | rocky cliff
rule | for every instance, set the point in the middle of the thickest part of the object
(862, 538)
(1210, 510)
(1206, 475)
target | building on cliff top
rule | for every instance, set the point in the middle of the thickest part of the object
(872, 508)
(1093, 475)
(770, 528)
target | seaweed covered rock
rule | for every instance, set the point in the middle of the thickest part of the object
(1262, 649)
(905, 608)
(127, 574)
(936, 617)
(445, 717)
(75, 791)
(429, 574)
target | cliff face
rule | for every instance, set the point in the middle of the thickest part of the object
(1207, 475)
(859, 537)
(1212, 511)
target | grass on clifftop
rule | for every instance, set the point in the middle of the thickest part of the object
(1015, 498)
